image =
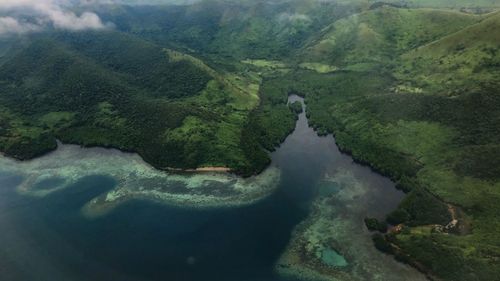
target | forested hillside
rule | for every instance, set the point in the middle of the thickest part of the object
(234, 29)
(414, 93)
(111, 89)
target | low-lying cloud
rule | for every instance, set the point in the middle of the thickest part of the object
(12, 25)
(43, 13)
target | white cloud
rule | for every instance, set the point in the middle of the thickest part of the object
(137, 2)
(52, 12)
(68, 20)
(9, 25)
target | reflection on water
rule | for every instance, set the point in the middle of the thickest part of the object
(157, 233)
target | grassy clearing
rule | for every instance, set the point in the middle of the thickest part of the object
(244, 88)
(272, 64)
(318, 67)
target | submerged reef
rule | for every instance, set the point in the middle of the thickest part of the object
(135, 179)
(332, 243)
(188, 191)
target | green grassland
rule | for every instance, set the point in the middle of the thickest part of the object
(453, 3)
(374, 37)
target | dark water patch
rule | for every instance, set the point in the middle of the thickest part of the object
(151, 241)
(49, 239)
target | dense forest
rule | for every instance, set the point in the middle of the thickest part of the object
(114, 90)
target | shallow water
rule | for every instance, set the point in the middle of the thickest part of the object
(46, 232)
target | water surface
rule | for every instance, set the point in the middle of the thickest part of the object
(46, 236)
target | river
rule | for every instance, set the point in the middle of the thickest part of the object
(318, 204)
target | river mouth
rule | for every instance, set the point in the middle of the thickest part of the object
(321, 197)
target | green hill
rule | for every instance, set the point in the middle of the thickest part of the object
(375, 37)
(230, 29)
(453, 3)
(111, 89)
(462, 61)
(415, 95)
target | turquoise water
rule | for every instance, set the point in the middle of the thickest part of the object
(53, 226)
(333, 258)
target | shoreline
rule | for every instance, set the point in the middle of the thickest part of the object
(208, 169)
(99, 206)
(218, 169)
(201, 169)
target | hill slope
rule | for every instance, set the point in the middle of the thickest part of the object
(461, 60)
(377, 36)
(114, 90)
(230, 29)
(414, 93)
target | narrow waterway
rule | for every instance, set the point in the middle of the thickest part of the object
(319, 203)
